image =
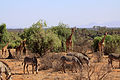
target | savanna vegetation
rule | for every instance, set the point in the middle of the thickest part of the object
(40, 39)
(50, 44)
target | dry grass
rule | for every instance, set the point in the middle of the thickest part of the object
(50, 60)
(50, 69)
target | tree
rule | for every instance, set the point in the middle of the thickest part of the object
(4, 35)
(40, 40)
(14, 40)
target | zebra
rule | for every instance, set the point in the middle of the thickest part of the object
(30, 61)
(70, 60)
(112, 57)
(83, 58)
(4, 68)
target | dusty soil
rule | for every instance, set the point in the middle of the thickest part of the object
(17, 71)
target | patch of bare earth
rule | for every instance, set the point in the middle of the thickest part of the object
(48, 74)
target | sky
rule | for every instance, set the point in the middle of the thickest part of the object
(79, 13)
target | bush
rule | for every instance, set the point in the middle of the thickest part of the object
(14, 40)
(96, 41)
(40, 40)
(51, 60)
(5, 37)
(52, 41)
(112, 43)
(63, 33)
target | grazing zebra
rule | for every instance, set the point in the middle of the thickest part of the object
(70, 60)
(83, 58)
(112, 57)
(30, 61)
(4, 68)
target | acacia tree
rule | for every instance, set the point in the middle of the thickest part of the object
(40, 40)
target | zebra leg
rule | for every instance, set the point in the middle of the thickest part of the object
(32, 68)
(110, 62)
(27, 69)
(36, 69)
(63, 67)
(24, 68)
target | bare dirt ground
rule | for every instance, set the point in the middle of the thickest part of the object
(17, 71)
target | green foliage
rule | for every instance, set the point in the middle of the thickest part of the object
(63, 33)
(112, 43)
(2, 28)
(4, 35)
(96, 41)
(14, 40)
(52, 41)
(40, 40)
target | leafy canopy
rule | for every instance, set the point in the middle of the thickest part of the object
(40, 40)
(112, 43)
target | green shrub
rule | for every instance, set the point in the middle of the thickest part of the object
(5, 37)
(112, 43)
(96, 41)
(63, 33)
(40, 40)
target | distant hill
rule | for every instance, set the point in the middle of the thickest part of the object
(114, 24)
(15, 30)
